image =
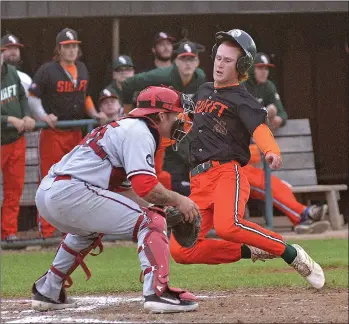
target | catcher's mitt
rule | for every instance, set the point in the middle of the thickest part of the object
(184, 232)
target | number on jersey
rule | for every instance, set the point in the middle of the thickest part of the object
(94, 136)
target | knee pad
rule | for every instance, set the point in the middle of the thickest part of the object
(155, 247)
(79, 260)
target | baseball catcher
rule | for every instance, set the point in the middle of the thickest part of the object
(79, 197)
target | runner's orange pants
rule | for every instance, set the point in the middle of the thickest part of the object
(54, 144)
(13, 173)
(221, 194)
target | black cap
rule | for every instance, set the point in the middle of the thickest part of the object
(67, 36)
(122, 60)
(107, 93)
(188, 49)
(10, 40)
(262, 59)
(162, 36)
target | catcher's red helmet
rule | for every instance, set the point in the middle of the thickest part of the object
(157, 99)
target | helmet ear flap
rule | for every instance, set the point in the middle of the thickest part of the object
(244, 63)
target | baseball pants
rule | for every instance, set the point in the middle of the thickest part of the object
(221, 194)
(84, 211)
(54, 144)
(283, 197)
(13, 173)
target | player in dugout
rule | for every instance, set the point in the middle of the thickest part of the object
(60, 92)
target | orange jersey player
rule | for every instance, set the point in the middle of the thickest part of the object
(226, 117)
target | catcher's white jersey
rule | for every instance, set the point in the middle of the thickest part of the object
(111, 154)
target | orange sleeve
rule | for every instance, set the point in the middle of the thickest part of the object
(265, 140)
(159, 160)
(255, 155)
(89, 103)
(160, 153)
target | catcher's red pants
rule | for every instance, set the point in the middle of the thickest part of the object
(13, 173)
(221, 194)
(54, 144)
(283, 197)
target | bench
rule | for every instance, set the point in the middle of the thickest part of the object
(298, 169)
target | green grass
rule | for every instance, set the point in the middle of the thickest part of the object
(117, 270)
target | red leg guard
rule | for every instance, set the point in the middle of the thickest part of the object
(79, 260)
(155, 246)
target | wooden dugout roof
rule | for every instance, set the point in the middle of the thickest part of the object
(56, 9)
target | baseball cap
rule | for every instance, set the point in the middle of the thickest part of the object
(262, 59)
(122, 60)
(67, 36)
(162, 36)
(188, 49)
(107, 93)
(10, 40)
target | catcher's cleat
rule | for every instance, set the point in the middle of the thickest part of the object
(168, 302)
(43, 304)
(308, 268)
(258, 254)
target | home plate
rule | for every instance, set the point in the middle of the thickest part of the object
(19, 310)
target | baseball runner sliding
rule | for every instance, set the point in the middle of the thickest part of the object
(226, 117)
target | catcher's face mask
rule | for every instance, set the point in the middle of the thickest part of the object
(183, 124)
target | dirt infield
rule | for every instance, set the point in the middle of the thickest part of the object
(277, 305)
